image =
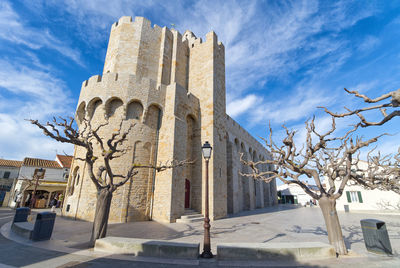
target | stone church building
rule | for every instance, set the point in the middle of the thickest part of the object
(172, 87)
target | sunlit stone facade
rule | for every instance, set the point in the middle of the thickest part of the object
(172, 87)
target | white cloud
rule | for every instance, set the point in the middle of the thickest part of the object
(262, 39)
(29, 94)
(240, 106)
(369, 43)
(291, 107)
(13, 30)
(19, 139)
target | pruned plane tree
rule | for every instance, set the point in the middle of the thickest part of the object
(381, 172)
(322, 155)
(100, 150)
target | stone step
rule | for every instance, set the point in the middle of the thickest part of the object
(189, 220)
(190, 212)
(198, 215)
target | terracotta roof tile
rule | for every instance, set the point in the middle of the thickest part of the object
(65, 160)
(10, 163)
(36, 162)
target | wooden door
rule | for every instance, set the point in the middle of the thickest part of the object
(187, 193)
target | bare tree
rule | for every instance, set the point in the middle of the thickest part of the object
(99, 153)
(378, 172)
(393, 96)
(314, 160)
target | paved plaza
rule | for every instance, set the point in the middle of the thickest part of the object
(277, 224)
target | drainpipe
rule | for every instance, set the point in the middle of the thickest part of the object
(155, 163)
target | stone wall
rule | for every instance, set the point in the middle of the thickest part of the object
(246, 192)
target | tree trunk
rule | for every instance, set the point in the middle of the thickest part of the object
(335, 236)
(99, 230)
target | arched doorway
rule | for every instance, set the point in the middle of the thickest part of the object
(187, 193)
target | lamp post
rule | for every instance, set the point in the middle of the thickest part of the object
(206, 149)
(38, 175)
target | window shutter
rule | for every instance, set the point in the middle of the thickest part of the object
(348, 197)
(359, 197)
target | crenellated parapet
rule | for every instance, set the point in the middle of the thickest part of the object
(125, 87)
(130, 88)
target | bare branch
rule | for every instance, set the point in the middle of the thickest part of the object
(394, 103)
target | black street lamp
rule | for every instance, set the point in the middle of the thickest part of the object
(39, 174)
(206, 149)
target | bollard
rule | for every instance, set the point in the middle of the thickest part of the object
(21, 214)
(43, 226)
(376, 237)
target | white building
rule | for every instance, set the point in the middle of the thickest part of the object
(52, 184)
(294, 194)
(9, 170)
(355, 197)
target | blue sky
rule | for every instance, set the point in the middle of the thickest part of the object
(283, 59)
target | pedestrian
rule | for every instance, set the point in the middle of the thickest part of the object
(53, 202)
(60, 200)
(18, 200)
(27, 200)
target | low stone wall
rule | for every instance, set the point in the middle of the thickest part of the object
(147, 247)
(275, 251)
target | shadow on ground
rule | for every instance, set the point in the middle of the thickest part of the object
(353, 233)
(265, 210)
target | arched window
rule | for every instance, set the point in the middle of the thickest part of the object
(93, 107)
(153, 116)
(80, 112)
(114, 107)
(75, 181)
(134, 110)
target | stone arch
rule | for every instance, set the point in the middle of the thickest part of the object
(81, 112)
(140, 185)
(237, 146)
(229, 174)
(114, 107)
(193, 151)
(74, 180)
(94, 107)
(245, 180)
(266, 185)
(259, 202)
(134, 110)
(153, 116)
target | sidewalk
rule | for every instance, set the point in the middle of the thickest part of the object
(277, 224)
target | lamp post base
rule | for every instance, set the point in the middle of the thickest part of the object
(206, 255)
